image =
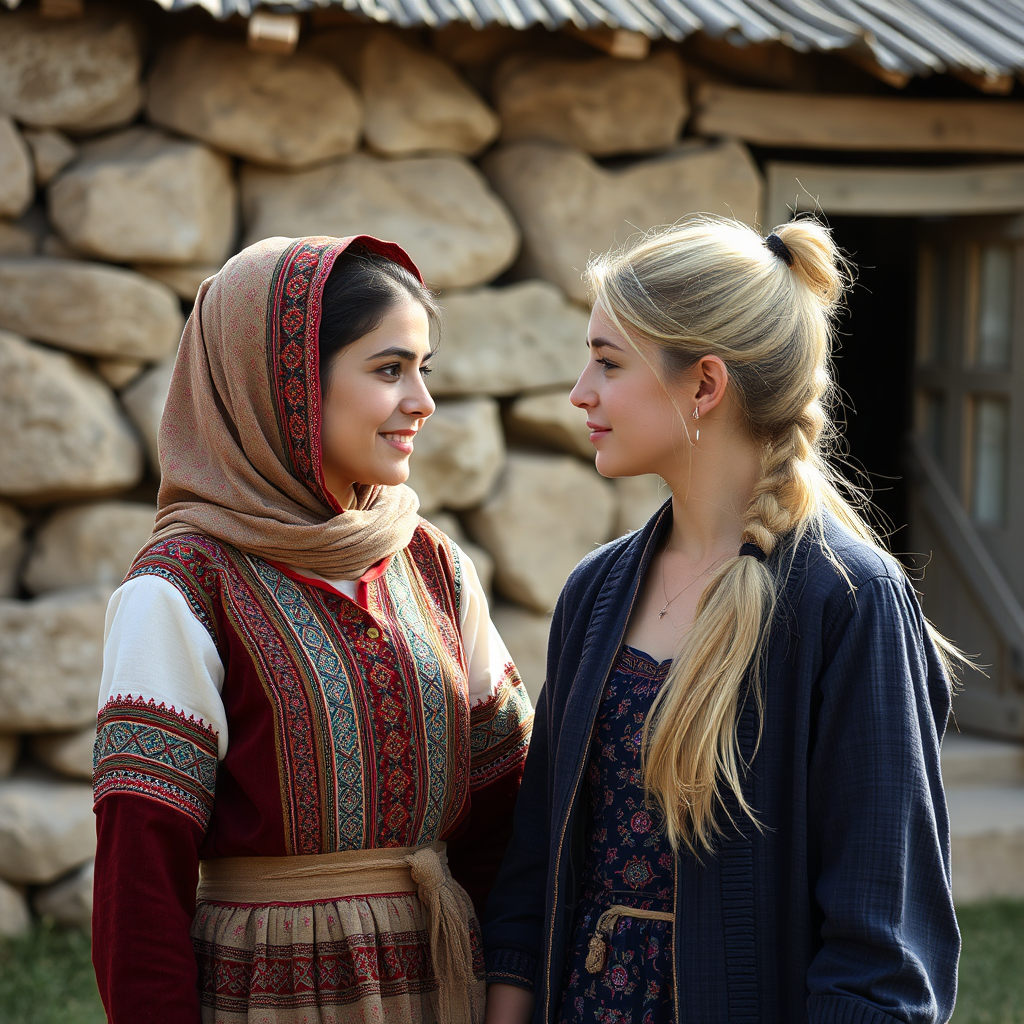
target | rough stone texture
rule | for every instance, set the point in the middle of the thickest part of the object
(119, 373)
(482, 561)
(50, 660)
(547, 513)
(118, 114)
(255, 105)
(52, 151)
(141, 195)
(63, 433)
(414, 101)
(602, 106)
(17, 239)
(88, 545)
(459, 454)
(183, 279)
(46, 829)
(10, 747)
(17, 177)
(501, 341)
(89, 307)
(455, 228)
(12, 548)
(526, 637)
(69, 901)
(551, 420)
(63, 74)
(144, 400)
(14, 915)
(639, 497)
(68, 753)
(568, 207)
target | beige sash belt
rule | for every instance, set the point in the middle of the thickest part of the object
(314, 877)
(597, 951)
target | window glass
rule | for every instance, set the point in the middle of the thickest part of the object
(991, 436)
(995, 307)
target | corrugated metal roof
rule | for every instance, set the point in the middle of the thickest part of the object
(982, 40)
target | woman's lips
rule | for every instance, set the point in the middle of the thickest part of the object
(597, 431)
(401, 439)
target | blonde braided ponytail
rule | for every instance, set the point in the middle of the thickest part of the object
(713, 286)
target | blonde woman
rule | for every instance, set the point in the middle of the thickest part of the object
(732, 809)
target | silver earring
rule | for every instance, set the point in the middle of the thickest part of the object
(696, 416)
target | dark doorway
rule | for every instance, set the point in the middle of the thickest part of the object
(874, 361)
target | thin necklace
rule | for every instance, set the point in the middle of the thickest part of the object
(664, 588)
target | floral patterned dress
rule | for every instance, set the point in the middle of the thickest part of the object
(629, 862)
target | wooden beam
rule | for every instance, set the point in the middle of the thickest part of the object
(893, 191)
(819, 121)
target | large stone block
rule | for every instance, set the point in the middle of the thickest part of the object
(547, 512)
(141, 195)
(12, 548)
(68, 753)
(183, 279)
(51, 657)
(63, 434)
(46, 829)
(14, 915)
(88, 545)
(89, 307)
(500, 341)
(17, 176)
(526, 636)
(415, 102)
(439, 208)
(459, 454)
(603, 106)
(551, 420)
(68, 74)
(52, 151)
(144, 401)
(280, 110)
(69, 901)
(568, 207)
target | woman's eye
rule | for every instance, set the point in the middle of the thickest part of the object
(607, 364)
(426, 371)
(392, 369)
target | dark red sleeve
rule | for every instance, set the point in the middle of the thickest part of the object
(476, 853)
(144, 896)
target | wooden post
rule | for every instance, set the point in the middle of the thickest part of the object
(273, 33)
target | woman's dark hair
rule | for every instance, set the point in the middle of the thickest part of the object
(361, 289)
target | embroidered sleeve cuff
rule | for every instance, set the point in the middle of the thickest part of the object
(511, 967)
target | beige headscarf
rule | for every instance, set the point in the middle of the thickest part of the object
(240, 436)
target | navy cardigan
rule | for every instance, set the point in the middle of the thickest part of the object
(839, 909)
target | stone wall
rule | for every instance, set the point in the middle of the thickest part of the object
(129, 171)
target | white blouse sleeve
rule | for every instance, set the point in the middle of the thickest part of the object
(487, 657)
(156, 649)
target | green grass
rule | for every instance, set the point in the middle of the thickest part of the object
(991, 964)
(46, 977)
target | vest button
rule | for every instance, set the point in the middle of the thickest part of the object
(373, 632)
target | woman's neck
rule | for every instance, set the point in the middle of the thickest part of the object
(710, 499)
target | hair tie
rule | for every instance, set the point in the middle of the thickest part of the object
(752, 549)
(777, 247)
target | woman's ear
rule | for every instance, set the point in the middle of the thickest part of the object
(712, 377)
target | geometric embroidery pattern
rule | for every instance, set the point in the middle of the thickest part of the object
(153, 751)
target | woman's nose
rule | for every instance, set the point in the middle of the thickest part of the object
(582, 396)
(418, 401)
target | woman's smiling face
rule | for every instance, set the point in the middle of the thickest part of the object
(635, 426)
(375, 401)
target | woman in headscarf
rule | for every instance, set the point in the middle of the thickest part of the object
(305, 710)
